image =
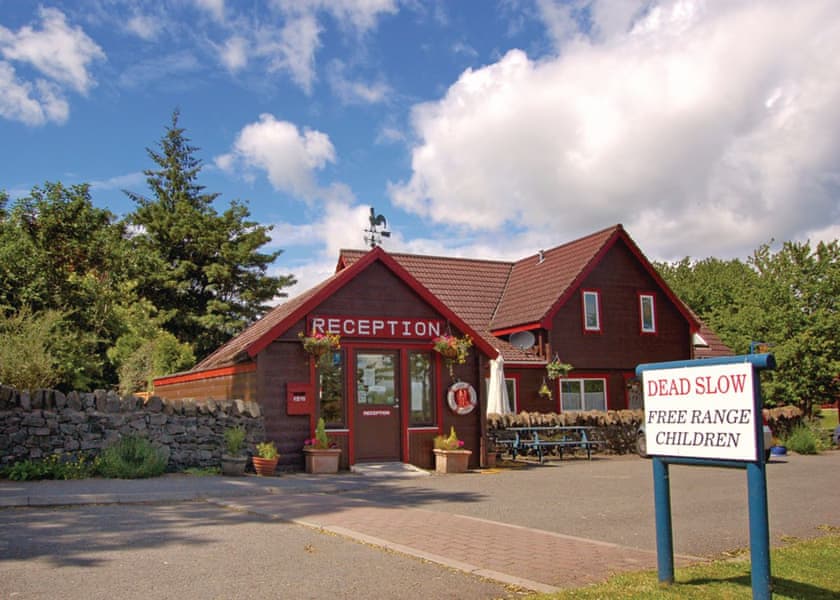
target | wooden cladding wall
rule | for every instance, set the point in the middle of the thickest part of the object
(420, 445)
(377, 292)
(278, 364)
(236, 386)
(620, 278)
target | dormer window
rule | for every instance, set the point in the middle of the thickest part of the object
(647, 314)
(591, 311)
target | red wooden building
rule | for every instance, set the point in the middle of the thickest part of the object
(596, 303)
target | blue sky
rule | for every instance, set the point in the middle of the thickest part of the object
(479, 128)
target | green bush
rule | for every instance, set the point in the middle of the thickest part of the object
(132, 457)
(234, 440)
(803, 441)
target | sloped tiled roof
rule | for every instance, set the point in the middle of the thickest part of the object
(485, 295)
(536, 286)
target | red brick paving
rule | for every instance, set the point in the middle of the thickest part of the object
(535, 559)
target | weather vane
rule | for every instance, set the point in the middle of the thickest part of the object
(374, 236)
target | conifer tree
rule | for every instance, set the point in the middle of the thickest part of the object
(203, 267)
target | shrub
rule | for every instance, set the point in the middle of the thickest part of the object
(803, 441)
(133, 457)
(267, 450)
(234, 439)
(56, 466)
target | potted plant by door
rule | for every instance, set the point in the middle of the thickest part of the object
(321, 455)
(265, 461)
(233, 460)
(450, 455)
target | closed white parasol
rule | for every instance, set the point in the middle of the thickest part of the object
(497, 396)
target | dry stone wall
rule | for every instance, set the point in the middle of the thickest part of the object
(39, 423)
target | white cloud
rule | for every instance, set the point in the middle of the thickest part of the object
(60, 52)
(216, 8)
(355, 92)
(708, 128)
(119, 182)
(299, 38)
(290, 157)
(295, 50)
(27, 103)
(145, 27)
(234, 54)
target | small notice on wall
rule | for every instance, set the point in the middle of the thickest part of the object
(701, 412)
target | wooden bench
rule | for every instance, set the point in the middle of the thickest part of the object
(542, 440)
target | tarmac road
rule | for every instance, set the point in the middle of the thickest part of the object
(196, 550)
(179, 547)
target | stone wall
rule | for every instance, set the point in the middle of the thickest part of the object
(43, 422)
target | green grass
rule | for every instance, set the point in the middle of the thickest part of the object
(801, 570)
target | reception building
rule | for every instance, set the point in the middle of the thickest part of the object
(595, 303)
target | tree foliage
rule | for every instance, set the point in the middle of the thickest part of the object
(58, 252)
(105, 300)
(203, 267)
(787, 299)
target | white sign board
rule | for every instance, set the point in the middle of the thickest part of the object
(701, 412)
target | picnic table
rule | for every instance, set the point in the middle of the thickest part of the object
(542, 440)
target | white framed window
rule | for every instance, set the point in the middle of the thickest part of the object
(591, 310)
(511, 383)
(583, 394)
(647, 313)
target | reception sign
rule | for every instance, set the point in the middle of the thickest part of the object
(701, 412)
(376, 327)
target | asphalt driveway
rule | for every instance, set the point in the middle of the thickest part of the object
(554, 525)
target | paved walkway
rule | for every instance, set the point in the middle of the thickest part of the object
(537, 560)
(346, 505)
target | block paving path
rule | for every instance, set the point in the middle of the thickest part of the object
(530, 558)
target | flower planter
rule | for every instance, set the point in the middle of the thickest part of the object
(233, 466)
(264, 466)
(451, 461)
(322, 460)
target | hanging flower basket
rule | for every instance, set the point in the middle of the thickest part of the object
(318, 344)
(544, 391)
(453, 349)
(557, 369)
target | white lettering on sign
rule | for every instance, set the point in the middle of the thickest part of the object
(376, 327)
(701, 412)
(298, 397)
(376, 413)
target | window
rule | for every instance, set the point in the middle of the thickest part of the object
(591, 311)
(331, 389)
(647, 313)
(583, 394)
(422, 389)
(510, 384)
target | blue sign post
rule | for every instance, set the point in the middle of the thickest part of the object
(686, 441)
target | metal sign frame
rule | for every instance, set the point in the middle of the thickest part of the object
(756, 481)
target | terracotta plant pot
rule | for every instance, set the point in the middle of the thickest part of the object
(452, 461)
(264, 466)
(322, 460)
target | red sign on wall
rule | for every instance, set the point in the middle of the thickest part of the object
(376, 327)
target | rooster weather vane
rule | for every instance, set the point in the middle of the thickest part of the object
(374, 235)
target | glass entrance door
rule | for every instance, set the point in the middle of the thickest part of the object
(377, 406)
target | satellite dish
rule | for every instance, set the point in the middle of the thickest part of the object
(523, 340)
